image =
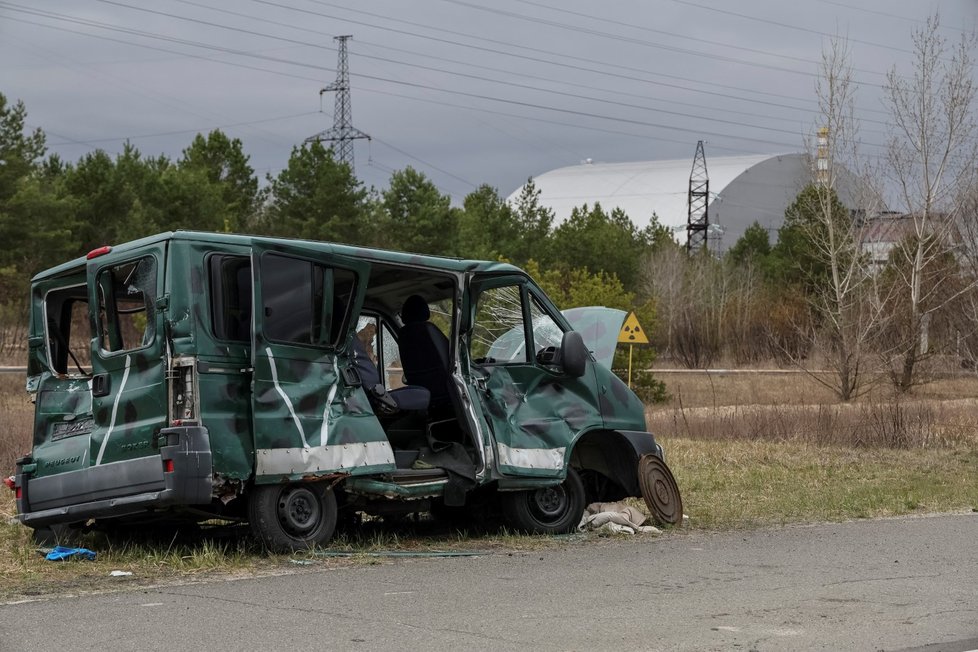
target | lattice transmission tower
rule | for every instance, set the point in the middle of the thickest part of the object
(342, 133)
(698, 221)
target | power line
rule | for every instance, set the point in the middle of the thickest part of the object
(209, 23)
(625, 39)
(178, 132)
(506, 44)
(279, 60)
(767, 21)
(685, 37)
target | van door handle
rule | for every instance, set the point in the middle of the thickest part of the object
(100, 385)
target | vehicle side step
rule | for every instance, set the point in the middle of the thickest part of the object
(415, 476)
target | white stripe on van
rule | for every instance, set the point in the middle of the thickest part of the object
(531, 458)
(285, 397)
(285, 461)
(324, 429)
(115, 412)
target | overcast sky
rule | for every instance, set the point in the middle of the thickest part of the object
(468, 92)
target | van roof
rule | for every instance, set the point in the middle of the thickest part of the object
(368, 253)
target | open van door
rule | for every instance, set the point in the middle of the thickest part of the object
(311, 418)
(536, 402)
(129, 397)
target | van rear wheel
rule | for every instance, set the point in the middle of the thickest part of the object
(549, 510)
(59, 534)
(290, 517)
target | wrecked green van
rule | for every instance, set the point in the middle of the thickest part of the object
(187, 377)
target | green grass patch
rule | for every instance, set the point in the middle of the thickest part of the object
(737, 484)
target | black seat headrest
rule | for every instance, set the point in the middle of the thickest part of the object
(415, 310)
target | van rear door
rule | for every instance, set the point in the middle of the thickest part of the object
(128, 389)
(310, 416)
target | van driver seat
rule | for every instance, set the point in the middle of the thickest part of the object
(424, 352)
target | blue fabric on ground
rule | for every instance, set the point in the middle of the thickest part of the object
(61, 553)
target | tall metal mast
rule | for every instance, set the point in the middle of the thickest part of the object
(342, 133)
(698, 221)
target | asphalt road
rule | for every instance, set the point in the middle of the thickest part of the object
(893, 584)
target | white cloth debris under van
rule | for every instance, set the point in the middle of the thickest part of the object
(615, 518)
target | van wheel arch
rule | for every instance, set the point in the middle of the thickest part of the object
(608, 462)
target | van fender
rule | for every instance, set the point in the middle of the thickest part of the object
(614, 454)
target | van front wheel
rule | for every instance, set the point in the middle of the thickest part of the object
(290, 517)
(550, 510)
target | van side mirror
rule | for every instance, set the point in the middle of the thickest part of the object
(573, 354)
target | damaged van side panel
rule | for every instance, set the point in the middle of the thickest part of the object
(309, 416)
(210, 322)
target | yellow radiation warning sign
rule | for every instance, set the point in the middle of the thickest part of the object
(632, 332)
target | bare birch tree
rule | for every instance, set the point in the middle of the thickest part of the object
(841, 287)
(931, 156)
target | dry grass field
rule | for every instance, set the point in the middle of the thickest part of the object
(16, 419)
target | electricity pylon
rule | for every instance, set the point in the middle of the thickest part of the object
(342, 133)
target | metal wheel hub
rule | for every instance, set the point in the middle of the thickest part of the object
(550, 501)
(298, 510)
(660, 491)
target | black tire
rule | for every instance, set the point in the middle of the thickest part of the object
(59, 534)
(550, 510)
(660, 491)
(290, 517)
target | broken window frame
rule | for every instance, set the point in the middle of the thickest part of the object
(110, 328)
(73, 362)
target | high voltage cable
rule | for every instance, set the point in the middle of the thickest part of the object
(499, 70)
(185, 55)
(548, 121)
(280, 60)
(888, 14)
(529, 49)
(787, 25)
(415, 85)
(289, 62)
(626, 39)
(686, 37)
(177, 132)
(318, 45)
(433, 167)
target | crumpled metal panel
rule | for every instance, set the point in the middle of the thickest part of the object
(536, 412)
(303, 404)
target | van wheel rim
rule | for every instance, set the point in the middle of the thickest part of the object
(660, 491)
(298, 511)
(550, 502)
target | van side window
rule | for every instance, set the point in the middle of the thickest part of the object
(305, 303)
(127, 305)
(231, 297)
(68, 330)
(380, 345)
(499, 333)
